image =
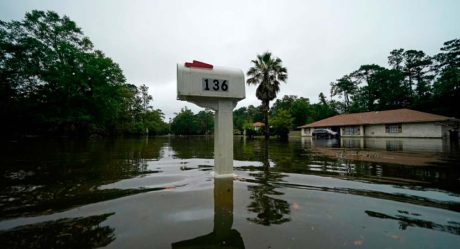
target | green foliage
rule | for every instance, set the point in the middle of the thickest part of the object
(298, 108)
(267, 73)
(446, 88)
(187, 123)
(415, 80)
(205, 122)
(323, 109)
(281, 122)
(244, 117)
(139, 116)
(54, 81)
(384, 90)
(240, 116)
(345, 87)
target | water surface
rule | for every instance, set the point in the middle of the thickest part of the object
(160, 193)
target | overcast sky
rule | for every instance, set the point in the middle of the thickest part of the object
(318, 41)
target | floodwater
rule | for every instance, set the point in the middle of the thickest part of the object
(160, 193)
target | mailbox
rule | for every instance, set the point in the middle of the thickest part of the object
(219, 89)
(201, 81)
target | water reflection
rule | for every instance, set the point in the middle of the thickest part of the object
(269, 210)
(309, 191)
(193, 147)
(406, 221)
(83, 232)
(45, 176)
(222, 236)
(431, 145)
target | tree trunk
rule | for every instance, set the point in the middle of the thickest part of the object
(267, 126)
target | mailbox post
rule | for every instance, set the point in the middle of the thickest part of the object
(219, 89)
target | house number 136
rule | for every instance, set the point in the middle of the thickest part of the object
(215, 85)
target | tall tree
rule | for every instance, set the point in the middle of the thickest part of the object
(267, 73)
(298, 107)
(55, 80)
(184, 123)
(388, 91)
(240, 117)
(366, 93)
(416, 68)
(282, 123)
(447, 85)
(323, 109)
(396, 59)
(145, 98)
(187, 123)
(345, 87)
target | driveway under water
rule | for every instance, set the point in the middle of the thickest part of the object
(160, 193)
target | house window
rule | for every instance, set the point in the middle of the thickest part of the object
(352, 130)
(306, 131)
(393, 128)
(394, 145)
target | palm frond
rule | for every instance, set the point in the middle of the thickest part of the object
(268, 73)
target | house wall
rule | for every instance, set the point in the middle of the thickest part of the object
(360, 132)
(306, 132)
(382, 143)
(396, 144)
(427, 130)
(422, 130)
(445, 131)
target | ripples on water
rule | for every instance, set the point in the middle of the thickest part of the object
(159, 193)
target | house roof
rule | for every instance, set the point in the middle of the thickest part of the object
(258, 124)
(378, 117)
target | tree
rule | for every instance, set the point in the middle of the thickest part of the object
(153, 122)
(255, 113)
(416, 69)
(387, 89)
(323, 109)
(366, 91)
(396, 59)
(446, 88)
(145, 98)
(205, 122)
(187, 123)
(54, 80)
(184, 123)
(298, 107)
(282, 123)
(240, 116)
(345, 87)
(267, 73)
(301, 112)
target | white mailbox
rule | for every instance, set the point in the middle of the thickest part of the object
(200, 81)
(219, 89)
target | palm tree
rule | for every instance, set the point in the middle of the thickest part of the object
(267, 72)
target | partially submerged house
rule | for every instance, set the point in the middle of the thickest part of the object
(258, 125)
(391, 123)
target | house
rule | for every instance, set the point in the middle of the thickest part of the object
(391, 123)
(257, 125)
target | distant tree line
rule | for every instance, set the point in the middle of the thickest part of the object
(287, 113)
(54, 81)
(187, 123)
(414, 80)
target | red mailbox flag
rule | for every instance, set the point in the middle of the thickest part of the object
(198, 64)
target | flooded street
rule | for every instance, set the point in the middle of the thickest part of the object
(160, 193)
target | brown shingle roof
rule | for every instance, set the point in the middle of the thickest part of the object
(379, 117)
(258, 124)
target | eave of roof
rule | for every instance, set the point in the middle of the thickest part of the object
(380, 117)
